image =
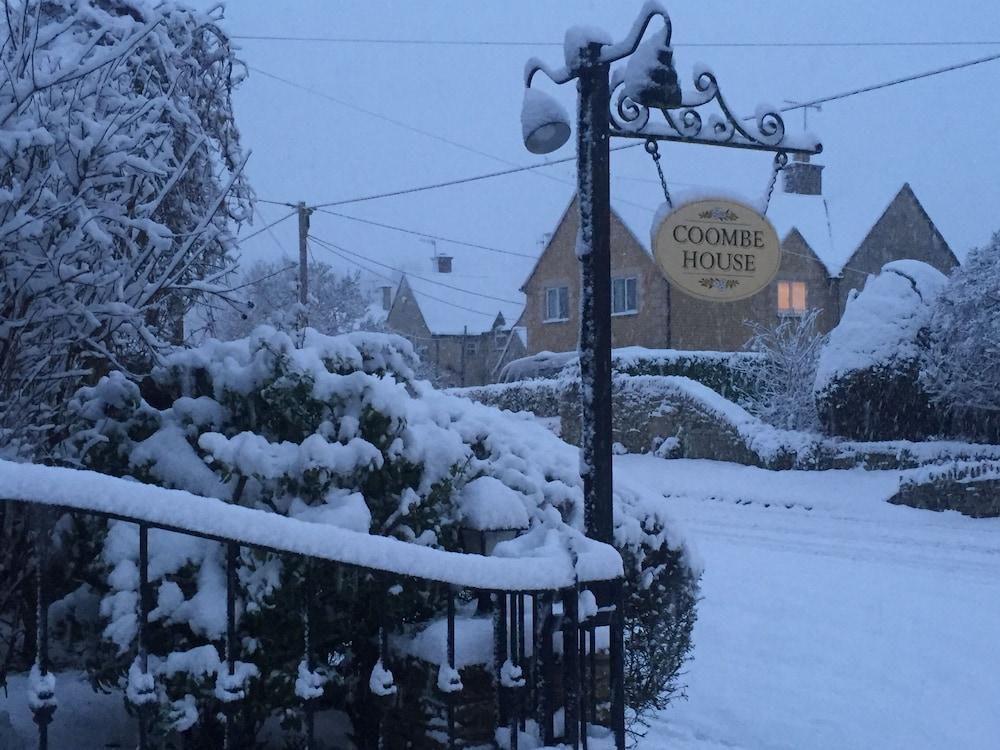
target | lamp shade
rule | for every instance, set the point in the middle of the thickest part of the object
(544, 122)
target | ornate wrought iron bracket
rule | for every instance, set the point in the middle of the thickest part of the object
(702, 116)
(693, 122)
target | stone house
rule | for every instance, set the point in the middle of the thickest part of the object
(648, 311)
(460, 324)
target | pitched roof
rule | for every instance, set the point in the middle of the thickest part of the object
(904, 199)
(452, 304)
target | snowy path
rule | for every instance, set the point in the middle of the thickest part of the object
(855, 624)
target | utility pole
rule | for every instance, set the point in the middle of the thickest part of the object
(303, 261)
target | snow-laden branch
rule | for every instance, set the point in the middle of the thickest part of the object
(121, 177)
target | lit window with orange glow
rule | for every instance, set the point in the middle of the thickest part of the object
(791, 297)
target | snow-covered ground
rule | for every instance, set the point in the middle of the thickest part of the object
(856, 624)
(840, 622)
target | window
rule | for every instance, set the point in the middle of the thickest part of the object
(471, 347)
(500, 339)
(556, 303)
(623, 296)
(791, 297)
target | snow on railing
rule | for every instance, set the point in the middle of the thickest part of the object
(546, 567)
(549, 566)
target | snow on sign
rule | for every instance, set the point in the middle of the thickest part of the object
(717, 249)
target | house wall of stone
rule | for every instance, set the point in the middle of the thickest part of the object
(719, 326)
(442, 354)
(903, 231)
(559, 266)
(667, 316)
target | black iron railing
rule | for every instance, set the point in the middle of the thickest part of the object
(553, 679)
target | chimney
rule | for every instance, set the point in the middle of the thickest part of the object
(801, 177)
(386, 297)
(442, 263)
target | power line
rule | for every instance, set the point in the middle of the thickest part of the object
(377, 115)
(520, 43)
(362, 266)
(266, 227)
(514, 166)
(524, 168)
(894, 82)
(460, 181)
(426, 235)
(416, 276)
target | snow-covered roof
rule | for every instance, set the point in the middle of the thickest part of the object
(453, 303)
(810, 214)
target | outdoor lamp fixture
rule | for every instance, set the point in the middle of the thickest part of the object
(622, 104)
(544, 122)
(484, 541)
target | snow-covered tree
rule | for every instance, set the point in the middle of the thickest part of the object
(867, 380)
(780, 384)
(269, 296)
(961, 367)
(120, 182)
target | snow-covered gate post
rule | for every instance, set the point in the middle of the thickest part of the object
(648, 82)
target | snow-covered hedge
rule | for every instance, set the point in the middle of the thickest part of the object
(867, 380)
(329, 430)
(728, 373)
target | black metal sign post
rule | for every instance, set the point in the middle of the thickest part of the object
(701, 117)
(594, 248)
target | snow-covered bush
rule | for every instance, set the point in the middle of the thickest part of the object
(961, 366)
(269, 292)
(661, 594)
(867, 380)
(120, 182)
(780, 383)
(331, 430)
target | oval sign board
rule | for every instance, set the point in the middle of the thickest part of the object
(717, 250)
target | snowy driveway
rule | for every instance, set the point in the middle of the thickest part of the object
(855, 624)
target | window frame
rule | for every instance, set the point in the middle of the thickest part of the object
(560, 290)
(635, 295)
(791, 286)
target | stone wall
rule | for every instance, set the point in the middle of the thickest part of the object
(977, 499)
(971, 488)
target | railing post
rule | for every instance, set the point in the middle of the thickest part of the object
(571, 666)
(617, 657)
(515, 725)
(41, 691)
(521, 660)
(141, 692)
(308, 595)
(546, 671)
(500, 648)
(449, 698)
(232, 556)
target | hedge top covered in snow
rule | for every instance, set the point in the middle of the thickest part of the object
(881, 322)
(331, 438)
(183, 511)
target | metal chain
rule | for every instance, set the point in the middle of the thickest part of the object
(653, 149)
(780, 160)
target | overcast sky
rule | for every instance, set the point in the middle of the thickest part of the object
(936, 134)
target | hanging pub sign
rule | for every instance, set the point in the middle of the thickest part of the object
(717, 250)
